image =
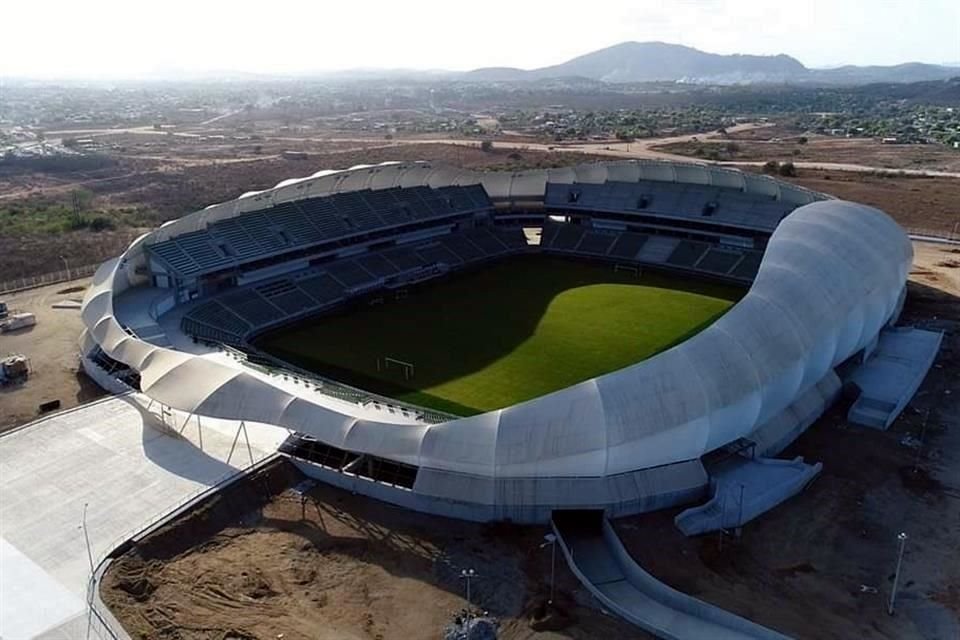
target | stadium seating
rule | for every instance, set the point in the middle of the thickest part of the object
(716, 205)
(377, 265)
(403, 258)
(322, 288)
(719, 261)
(747, 268)
(627, 245)
(232, 315)
(438, 254)
(486, 241)
(350, 274)
(299, 224)
(596, 243)
(687, 253)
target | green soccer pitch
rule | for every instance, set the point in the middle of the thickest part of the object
(506, 333)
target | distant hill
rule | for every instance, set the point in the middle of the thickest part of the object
(630, 62)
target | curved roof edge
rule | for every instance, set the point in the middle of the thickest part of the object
(500, 185)
(847, 263)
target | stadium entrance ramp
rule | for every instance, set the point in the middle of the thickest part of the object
(601, 562)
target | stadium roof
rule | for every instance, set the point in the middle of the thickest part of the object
(833, 274)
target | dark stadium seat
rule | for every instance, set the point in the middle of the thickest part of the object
(436, 253)
(463, 248)
(486, 241)
(687, 253)
(349, 273)
(568, 237)
(322, 288)
(596, 243)
(748, 266)
(627, 245)
(719, 260)
(376, 264)
(403, 258)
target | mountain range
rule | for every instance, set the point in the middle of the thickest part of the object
(663, 62)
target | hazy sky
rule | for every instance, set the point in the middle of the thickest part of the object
(111, 38)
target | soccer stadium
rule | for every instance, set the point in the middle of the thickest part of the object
(503, 346)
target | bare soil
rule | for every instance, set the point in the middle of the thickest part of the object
(799, 568)
(51, 347)
(337, 566)
(164, 189)
(914, 202)
(776, 143)
(818, 567)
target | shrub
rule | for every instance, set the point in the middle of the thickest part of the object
(771, 166)
(487, 146)
(787, 169)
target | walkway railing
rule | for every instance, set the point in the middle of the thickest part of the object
(275, 367)
(101, 621)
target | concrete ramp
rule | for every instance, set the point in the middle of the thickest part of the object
(744, 488)
(891, 374)
(601, 562)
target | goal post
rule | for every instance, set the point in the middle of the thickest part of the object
(635, 269)
(386, 363)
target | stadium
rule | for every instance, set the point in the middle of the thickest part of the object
(504, 346)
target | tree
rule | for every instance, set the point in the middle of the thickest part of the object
(788, 170)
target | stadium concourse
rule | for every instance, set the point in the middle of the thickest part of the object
(175, 315)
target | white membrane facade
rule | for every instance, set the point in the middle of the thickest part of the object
(832, 276)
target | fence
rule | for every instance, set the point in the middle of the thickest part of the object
(940, 234)
(65, 275)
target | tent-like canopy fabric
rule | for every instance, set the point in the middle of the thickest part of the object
(831, 277)
(523, 185)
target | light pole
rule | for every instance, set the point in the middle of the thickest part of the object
(468, 575)
(66, 265)
(551, 541)
(902, 537)
(86, 536)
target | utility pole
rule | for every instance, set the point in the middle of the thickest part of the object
(468, 575)
(551, 541)
(902, 537)
(86, 537)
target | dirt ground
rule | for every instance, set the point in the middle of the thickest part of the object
(341, 567)
(51, 347)
(914, 202)
(799, 568)
(348, 567)
(167, 188)
(775, 143)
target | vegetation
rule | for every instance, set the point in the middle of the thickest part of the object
(511, 332)
(46, 216)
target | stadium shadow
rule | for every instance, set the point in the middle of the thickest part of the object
(175, 453)
(451, 329)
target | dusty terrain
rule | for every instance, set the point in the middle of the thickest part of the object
(337, 566)
(140, 194)
(776, 143)
(343, 566)
(800, 568)
(52, 349)
(916, 203)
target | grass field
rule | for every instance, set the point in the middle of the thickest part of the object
(510, 332)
